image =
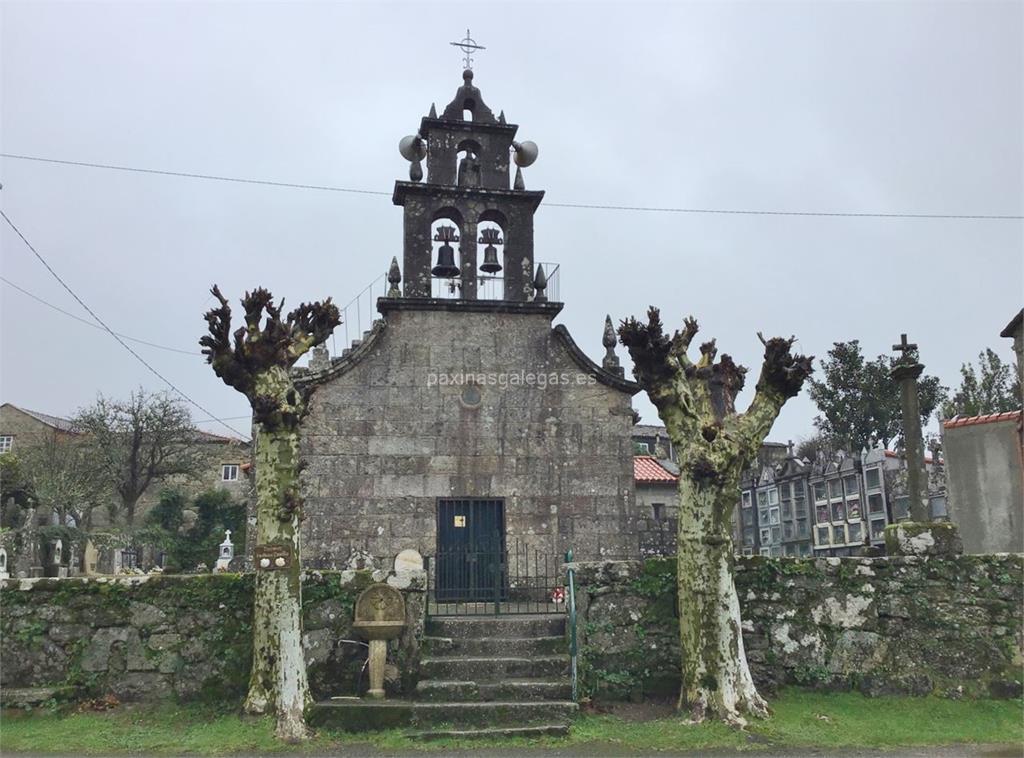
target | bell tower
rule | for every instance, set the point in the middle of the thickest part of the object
(468, 229)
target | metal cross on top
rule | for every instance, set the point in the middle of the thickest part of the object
(467, 46)
(905, 347)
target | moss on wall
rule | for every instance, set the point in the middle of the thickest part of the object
(950, 626)
(187, 636)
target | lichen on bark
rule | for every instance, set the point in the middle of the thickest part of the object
(255, 360)
(696, 401)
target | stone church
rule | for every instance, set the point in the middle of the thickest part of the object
(466, 420)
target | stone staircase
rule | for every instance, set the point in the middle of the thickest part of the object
(499, 674)
(480, 676)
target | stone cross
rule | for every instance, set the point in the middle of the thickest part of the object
(906, 372)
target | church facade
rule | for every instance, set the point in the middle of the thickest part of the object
(465, 418)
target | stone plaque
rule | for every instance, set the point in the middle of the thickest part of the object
(380, 603)
(408, 560)
(272, 557)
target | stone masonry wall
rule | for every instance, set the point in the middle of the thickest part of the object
(150, 637)
(392, 432)
(950, 626)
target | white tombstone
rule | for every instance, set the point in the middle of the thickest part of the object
(3, 564)
(227, 552)
(408, 560)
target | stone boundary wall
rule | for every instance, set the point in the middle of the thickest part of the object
(150, 637)
(948, 626)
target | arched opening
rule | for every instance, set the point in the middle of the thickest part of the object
(467, 163)
(468, 107)
(445, 254)
(490, 254)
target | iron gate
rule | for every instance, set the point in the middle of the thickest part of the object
(476, 571)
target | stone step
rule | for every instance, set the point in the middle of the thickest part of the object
(539, 730)
(27, 697)
(508, 627)
(495, 645)
(356, 714)
(491, 669)
(510, 689)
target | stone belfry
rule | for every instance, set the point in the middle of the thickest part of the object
(469, 154)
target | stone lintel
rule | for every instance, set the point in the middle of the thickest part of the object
(427, 123)
(388, 304)
(529, 198)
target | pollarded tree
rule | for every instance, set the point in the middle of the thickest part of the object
(714, 444)
(256, 363)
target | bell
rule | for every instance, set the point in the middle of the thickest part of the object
(445, 268)
(490, 264)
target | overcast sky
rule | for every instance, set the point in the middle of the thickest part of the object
(837, 107)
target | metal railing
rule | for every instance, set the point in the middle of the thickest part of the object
(493, 581)
(571, 607)
(358, 316)
(490, 287)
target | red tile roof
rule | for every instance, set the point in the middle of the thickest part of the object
(990, 418)
(894, 454)
(647, 469)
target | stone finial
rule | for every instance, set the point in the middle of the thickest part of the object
(608, 339)
(394, 278)
(433, 111)
(501, 117)
(519, 184)
(415, 171)
(540, 283)
(320, 358)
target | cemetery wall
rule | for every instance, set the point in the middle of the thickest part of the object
(946, 626)
(150, 637)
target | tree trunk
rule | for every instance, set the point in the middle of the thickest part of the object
(716, 681)
(278, 681)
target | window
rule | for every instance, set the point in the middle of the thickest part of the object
(805, 550)
(873, 478)
(937, 504)
(875, 504)
(773, 497)
(641, 448)
(838, 535)
(748, 518)
(853, 510)
(762, 498)
(229, 472)
(790, 551)
(838, 512)
(851, 486)
(787, 531)
(776, 534)
(787, 509)
(746, 499)
(764, 551)
(835, 489)
(765, 536)
(822, 535)
(748, 539)
(819, 491)
(799, 500)
(899, 507)
(776, 552)
(801, 528)
(658, 511)
(773, 515)
(855, 535)
(762, 516)
(748, 551)
(821, 514)
(6, 443)
(877, 529)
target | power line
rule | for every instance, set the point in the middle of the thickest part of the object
(38, 299)
(585, 206)
(112, 333)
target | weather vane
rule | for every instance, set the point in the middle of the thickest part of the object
(468, 45)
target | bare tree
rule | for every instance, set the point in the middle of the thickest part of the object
(715, 444)
(64, 480)
(137, 442)
(257, 363)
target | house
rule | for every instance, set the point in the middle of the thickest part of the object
(657, 492)
(466, 423)
(226, 462)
